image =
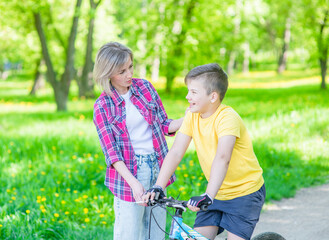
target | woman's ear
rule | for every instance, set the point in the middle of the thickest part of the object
(214, 97)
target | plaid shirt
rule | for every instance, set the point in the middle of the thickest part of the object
(110, 121)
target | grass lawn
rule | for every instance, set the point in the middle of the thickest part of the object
(52, 168)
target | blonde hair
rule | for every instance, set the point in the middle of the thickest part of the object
(215, 79)
(110, 57)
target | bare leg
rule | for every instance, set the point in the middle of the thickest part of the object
(208, 231)
(231, 236)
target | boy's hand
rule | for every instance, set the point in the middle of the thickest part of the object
(196, 202)
(155, 191)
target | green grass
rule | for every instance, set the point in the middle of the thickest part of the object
(52, 167)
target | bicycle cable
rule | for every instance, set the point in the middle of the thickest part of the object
(152, 215)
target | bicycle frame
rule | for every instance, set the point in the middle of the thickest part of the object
(178, 229)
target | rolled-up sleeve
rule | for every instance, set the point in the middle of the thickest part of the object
(162, 115)
(107, 140)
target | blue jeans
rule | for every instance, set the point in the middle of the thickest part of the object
(131, 219)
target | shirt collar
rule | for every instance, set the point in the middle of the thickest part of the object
(117, 99)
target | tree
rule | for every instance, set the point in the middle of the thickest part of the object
(85, 82)
(317, 20)
(60, 86)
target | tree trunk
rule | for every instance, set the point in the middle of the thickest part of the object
(323, 45)
(155, 69)
(231, 62)
(61, 88)
(323, 64)
(39, 81)
(86, 83)
(282, 65)
(246, 56)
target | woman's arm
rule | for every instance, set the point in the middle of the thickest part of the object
(175, 125)
(136, 186)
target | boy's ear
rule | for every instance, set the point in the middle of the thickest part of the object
(214, 97)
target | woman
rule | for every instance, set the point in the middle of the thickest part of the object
(131, 123)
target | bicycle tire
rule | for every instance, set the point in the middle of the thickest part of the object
(268, 236)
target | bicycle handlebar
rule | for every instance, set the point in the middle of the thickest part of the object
(171, 202)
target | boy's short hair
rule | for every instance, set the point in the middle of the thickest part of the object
(215, 79)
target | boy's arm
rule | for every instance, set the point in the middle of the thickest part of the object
(217, 173)
(220, 164)
(171, 161)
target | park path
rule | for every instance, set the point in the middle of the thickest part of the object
(304, 217)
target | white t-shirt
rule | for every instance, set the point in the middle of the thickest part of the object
(139, 130)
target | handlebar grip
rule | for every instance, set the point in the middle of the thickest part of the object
(204, 207)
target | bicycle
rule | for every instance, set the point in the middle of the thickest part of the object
(181, 231)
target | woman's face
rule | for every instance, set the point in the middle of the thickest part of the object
(122, 79)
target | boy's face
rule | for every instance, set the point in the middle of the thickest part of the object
(197, 96)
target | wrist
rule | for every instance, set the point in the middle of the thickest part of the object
(158, 186)
(211, 198)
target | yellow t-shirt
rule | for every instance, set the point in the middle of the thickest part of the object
(244, 174)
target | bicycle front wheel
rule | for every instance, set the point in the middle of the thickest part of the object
(268, 236)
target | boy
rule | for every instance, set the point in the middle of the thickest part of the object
(235, 187)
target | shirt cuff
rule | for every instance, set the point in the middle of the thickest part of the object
(165, 128)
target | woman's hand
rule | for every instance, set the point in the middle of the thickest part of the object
(138, 191)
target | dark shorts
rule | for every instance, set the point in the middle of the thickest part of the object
(238, 216)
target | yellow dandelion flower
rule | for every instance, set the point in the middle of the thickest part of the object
(42, 189)
(85, 210)
(101, 197)
(9, 151)
(75, 191)
(63, 201)
(45, 221)
(198, 184)
(42, 207)
(68, 189)
(185, 175)
(56, 195)
(27, 211)
(104, 222)
(56, 215)
(43, 199)
(13, 198)
(8, 190)
(67, 213)
(87, 220)
(95, 197)
(82, 117)
(61, 151)
(61, 221)
(74, 157)
(1, 225)
(83, 226)
(77, 200)
(85, 196)
(96, 155)
(14, 188)
(93, 182)
(101, 215)
(75, 213)
(43, 210)
(53, 148)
